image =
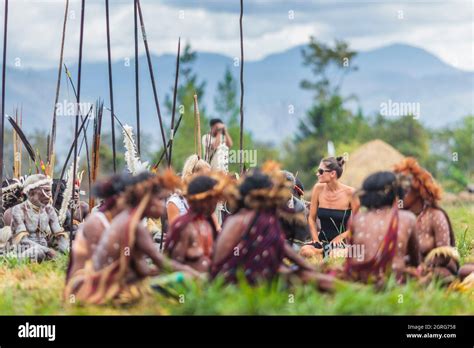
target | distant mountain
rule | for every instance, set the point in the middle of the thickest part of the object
(398, 72)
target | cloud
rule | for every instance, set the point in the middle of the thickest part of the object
(443, 28)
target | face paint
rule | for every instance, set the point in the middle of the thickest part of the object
(45, 194)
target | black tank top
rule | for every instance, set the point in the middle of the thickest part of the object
(333, 222)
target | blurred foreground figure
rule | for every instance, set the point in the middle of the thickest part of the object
(191, 237)
(119, 263)
(434, 232)
(34, 223)
(90, 232)
(252, 240)
(382, 237)
(176, 204)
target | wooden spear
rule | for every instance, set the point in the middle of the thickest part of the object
(197, 120)
(152, 77)
(137, 85)
(78, 100)
(111, 89)
(51, 153)
(173, 109)
(3, 106)
(241, 143)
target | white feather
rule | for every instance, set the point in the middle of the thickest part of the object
(67, 193)
(134, 165)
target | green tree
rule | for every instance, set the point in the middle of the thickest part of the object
(321, 58)
(328, 119)
(227, 108)
(225, 101)
(405, 133)
(452, 154)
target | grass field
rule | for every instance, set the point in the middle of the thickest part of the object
(36, 289)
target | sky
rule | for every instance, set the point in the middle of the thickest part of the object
(444, 28)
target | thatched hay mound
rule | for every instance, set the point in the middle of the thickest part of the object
(371, 157)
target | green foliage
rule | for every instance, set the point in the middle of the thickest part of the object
(321, 58)
(462, 216)
(405, 133)
(452, 154)
(225, 101)
(106, 162)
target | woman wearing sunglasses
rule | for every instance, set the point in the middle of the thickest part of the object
(332, 203)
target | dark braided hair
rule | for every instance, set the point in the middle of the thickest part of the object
(201, 183)
(380, 190)
(256, 180)
(108, 190)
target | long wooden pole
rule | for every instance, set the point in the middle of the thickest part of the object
(68, 157)
(20, 144)
(241, 143)
(96, 147)
(197, 120)
(51, 152)
(5, 27)
(84, 140)
(111, 89)
(157, 164)
(173, 109)
(152, 77)
(78, 100)
(137, 84)
(15, 149)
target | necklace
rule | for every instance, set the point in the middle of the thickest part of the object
(35, 208)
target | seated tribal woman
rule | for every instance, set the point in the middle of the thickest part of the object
(176, 205)
(90, 232)
(35, 225)
(331, 203)
(382, 238)
(434, 231)
(119, 263)
(191, 236)
(252, 240)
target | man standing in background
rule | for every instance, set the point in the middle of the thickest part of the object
(214, 138)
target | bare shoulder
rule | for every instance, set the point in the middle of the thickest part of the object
(92, 220)
(348, 189)
(359, 219)
(408, 216)
(121, 219)
(318, 187)
(237, 219)
(438, 214)
(360, 216)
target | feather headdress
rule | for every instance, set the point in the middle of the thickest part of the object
(134, 164)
